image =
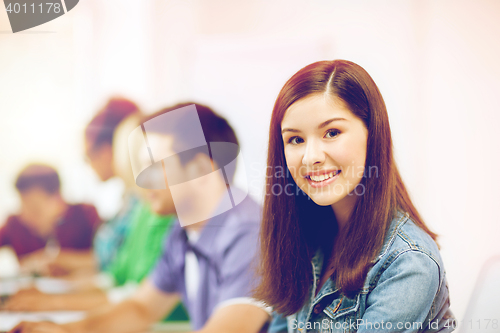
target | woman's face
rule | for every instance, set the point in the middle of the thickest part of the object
(100, 159)
(325, 149)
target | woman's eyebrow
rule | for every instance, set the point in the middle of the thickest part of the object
(289, 130)
(325, 123)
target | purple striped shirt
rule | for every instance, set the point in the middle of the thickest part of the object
(226, 254)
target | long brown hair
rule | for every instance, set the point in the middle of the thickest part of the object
(294, 227)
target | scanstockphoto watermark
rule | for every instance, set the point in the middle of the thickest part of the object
(350, 172)
(26, 14)
(388, 326)
(337, 189)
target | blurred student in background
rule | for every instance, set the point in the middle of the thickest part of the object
(109, 236)
(47, 227)
(208, 264)
(142, 230)
(99, 152)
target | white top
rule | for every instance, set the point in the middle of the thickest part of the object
(192, 268)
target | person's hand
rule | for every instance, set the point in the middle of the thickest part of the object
(30, 300)
(38, 327)
(71, 262)
(35, 263)
(57, 270)
(39, 262)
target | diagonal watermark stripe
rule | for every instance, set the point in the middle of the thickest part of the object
(158, 157)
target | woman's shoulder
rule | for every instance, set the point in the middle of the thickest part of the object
(408, 247)
(409, 268)
(405, 235)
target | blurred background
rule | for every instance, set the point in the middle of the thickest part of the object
(435, 62)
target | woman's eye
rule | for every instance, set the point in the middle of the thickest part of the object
(332, 133)
(294, 140)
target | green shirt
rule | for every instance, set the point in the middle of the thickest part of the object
(142, 248)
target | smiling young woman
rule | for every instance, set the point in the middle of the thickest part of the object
(345, 249)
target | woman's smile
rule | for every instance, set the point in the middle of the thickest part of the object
(320, 179)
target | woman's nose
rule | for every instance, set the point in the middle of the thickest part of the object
(313, 154)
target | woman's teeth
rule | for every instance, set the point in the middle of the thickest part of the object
(324, 177)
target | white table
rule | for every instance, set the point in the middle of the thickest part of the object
(9, 320)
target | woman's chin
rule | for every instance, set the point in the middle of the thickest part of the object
(323, 200)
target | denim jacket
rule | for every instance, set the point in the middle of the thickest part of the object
(405, 291)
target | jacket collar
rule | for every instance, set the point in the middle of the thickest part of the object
(390, 236)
